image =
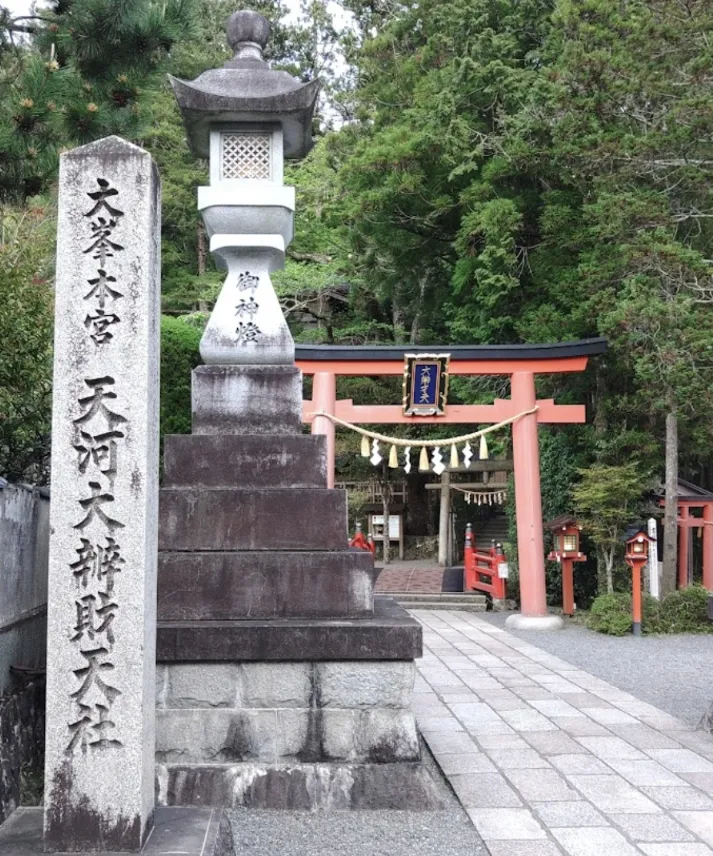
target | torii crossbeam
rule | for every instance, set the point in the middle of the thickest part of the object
(520, 363)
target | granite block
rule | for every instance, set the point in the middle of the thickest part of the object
(391, 634)
(247, 400)
(404, 787)
(229, 460)
(193, 586)
(252, 519)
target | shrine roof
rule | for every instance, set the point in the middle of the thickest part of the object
(556, 350)
(560, 522)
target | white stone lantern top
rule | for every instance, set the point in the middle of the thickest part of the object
(244, 97)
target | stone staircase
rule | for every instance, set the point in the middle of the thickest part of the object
(466, 602)
(494, 528)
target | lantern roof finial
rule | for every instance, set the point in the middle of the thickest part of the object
(248, 33)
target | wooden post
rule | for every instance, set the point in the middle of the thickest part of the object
(636, 597)
(444, 519)
(708, 546)
(568, 586)
(324, 397)
(683, 536)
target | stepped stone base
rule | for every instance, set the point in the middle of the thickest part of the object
(252, 519)
(221, 586)
(401, 787)
(248, 460)
(390, 634)
(285, 712)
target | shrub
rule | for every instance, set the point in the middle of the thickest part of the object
(611, 613)
(179, 356)
(683, 611)
(686, 611)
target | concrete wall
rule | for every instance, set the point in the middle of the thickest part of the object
(24, 543)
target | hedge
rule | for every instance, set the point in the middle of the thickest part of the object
(179, 356)
(683, 611)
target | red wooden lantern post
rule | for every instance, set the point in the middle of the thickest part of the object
(566, 551)
(637, 555)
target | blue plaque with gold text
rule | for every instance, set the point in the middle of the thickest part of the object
(425, 384)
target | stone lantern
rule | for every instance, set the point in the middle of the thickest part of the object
(246, 118)
(283, 681)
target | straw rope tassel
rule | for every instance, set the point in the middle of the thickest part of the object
(423, 464)
(393, 459)
(454, 457)
(365, 450)
(483, 453)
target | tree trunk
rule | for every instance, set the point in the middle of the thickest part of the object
(670, 524)
(609, 558)
(416, 323)
(600, 416)
(201, 252)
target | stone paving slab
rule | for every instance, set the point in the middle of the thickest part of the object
(549, 760)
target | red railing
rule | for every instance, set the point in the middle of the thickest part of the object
(360, 542)
(481, 568)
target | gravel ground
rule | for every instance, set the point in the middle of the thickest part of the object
(672, 672)
(447, 832)
(355, 833)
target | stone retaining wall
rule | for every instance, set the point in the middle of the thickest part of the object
(24, 544)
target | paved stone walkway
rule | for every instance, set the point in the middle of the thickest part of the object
(550, 760)
(414, 577)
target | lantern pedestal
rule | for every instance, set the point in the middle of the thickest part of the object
(247, 326)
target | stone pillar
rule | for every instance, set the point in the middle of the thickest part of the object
(444, 520)
(99, 774)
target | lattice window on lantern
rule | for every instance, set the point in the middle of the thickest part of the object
(245, 155)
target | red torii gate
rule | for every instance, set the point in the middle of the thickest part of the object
(521, 363)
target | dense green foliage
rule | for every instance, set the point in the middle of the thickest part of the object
(684, 611)
(179, 356)
(84, 80)
(26, 307)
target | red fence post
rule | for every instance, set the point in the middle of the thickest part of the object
(468, 560)
(499, 583)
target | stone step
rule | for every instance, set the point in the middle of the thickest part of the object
(461, 607)
(389, 634)
(222, 586)
(252, 460)
(405, 786)
(447, 597)
(228, 519)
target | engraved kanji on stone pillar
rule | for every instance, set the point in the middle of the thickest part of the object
(99, 773)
